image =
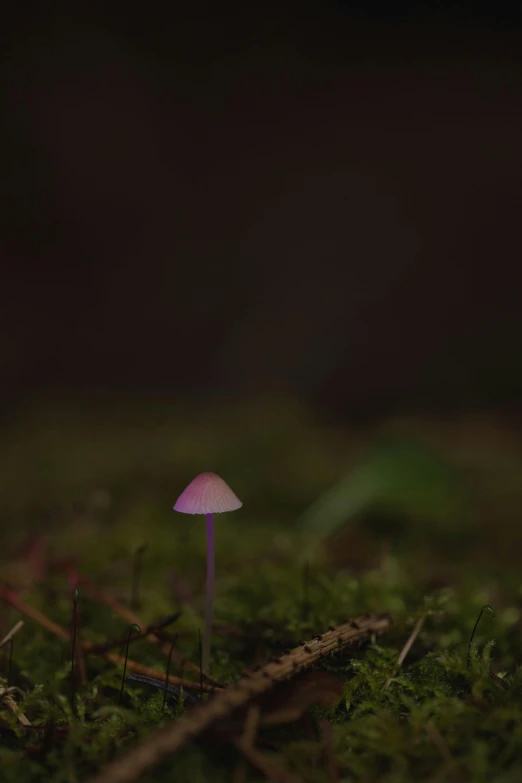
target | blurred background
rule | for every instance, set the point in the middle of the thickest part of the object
(259, 241)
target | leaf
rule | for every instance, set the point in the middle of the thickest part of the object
(398, 475)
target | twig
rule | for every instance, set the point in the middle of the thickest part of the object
(499, 681)
(177, 734)
(137, 564)
(13, 706)
(440, 744)
(407, 647)
(137, 630)
(10, 597)
(74, 652)
(326, 734)
(251, 724)
(306, 592)
(268, 767)
(14, 630)
(248, 737)
(132, 618)
(148, 671)
(485, 608)
(200, 658)
(167, 672)
(147, 632)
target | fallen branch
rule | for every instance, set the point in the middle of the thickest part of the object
(440, 744)
(248, 739)
(269, 768)
(14, 630)
(153, 634)
(407, 647)
(13, 599)
(170, 739)
(153, 628)
(148, 671)
(13, 706)
(328, 744)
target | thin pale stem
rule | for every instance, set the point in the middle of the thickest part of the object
(210, 593)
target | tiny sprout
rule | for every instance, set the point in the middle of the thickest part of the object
(167, 671)
(306, 592)
(137, 565)
(75, 599)
(200, 651)
(133, 629)
(9, 663)
(178, 693)
(485, 608)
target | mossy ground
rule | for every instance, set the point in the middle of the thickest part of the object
(435, 533)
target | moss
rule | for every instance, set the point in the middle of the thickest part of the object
(447, 713)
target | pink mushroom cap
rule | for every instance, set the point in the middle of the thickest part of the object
(207, 494)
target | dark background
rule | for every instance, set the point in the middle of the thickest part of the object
(321, 199)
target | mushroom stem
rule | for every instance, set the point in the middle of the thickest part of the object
(210, 593)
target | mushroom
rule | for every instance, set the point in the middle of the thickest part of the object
(207, 494)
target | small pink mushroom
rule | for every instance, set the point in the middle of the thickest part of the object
(208, 494)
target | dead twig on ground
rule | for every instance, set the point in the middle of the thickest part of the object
(407, 647)
(331, 761)
(14, 630)
(147, 632)
(269, 768)
(6, 697)
(13, 599)
(170, 739)
(248, 738)
(133, 619)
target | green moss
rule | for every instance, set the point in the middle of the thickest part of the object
(105, 484)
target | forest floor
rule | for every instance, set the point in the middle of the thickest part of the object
(410, 529)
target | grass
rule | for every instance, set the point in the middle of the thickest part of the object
(417, 518)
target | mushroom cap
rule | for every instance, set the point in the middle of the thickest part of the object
(207, 494)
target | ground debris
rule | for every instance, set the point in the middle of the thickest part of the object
(171, 739)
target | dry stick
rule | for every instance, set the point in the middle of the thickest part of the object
(10, 597)
(200, 652)
(177, 734)
(137, 564)
(306, 592)
(14, 630)
(248, 737)
(148, 671)
(137, 629)
(167, 671)
(440, 744)
(132, 618)
(326, 734)
(9, 662)
(78, 657)
(13, 706)
(268, 767)
(155, 628)
(14, 600)
(407, 647)
(76, 597)
(251, 724)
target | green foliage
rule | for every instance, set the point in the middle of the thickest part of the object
(451, 711)
(400, 476)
